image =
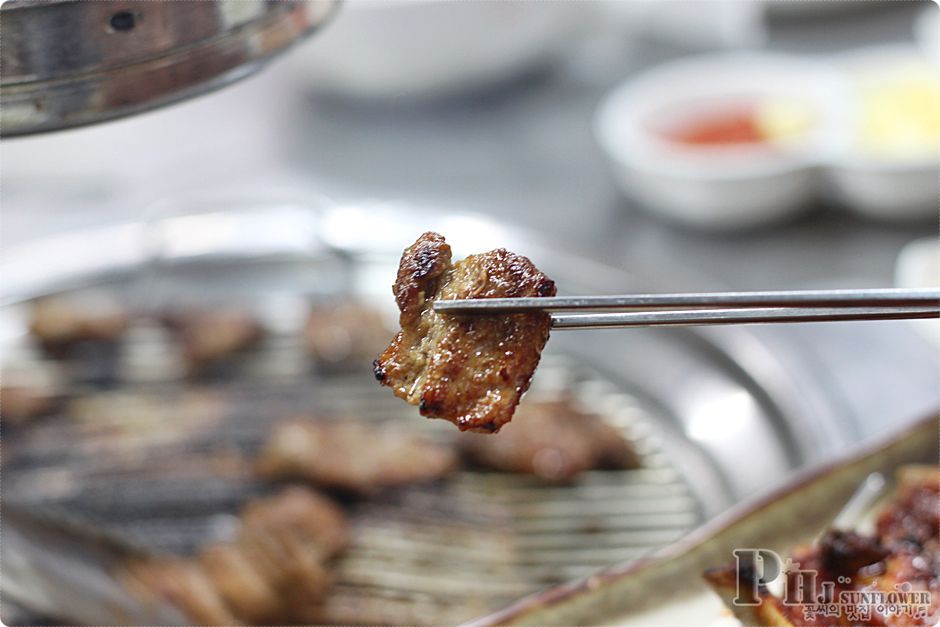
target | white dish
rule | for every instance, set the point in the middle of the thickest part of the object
(747, 185)
(414, 49)
(886, 187)
(714, 188)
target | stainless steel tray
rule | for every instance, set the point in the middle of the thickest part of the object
(712, 427)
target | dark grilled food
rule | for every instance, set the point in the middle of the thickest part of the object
(301, 512)
(470, 370)
(275, 571)
(914, 518)
(180, 583)
(345, 336)
(22, 402)
(212, 336)
(554, 440)
(279, 559)
(61, 324)
(262, 576)
(351, 456)
(903, 555)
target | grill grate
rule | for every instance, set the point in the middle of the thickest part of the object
(172, 477)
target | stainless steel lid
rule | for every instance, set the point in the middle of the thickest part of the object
(66, 63)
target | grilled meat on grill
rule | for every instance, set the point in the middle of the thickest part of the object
(275, 571)
(20, 403)
(61, 323)
(210, 336)
(554, 440)
(351, 456)
(302, 512)
(180, 583)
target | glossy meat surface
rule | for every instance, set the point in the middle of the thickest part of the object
(469, 369)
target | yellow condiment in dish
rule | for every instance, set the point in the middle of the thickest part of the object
(899, 111)
(784, 120)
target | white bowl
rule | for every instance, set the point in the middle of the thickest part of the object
(415, 49)
(895, 192)
(716, 188)
(884, 187)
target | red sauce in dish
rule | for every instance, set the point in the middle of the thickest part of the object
(737, 126)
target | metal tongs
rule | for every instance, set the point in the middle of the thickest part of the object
(649, 310)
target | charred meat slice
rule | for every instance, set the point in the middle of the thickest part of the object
(275, 571)
(902, 555)
(238, 580)
(262, 575)
(179, 582)
(279, 561)
(210, 336)
(351, 457)
(554, 440)
(60, 324)
(915, 517)
(845, 553)
(470, 370)
(29, 389)
(301, 512)
(20, 403)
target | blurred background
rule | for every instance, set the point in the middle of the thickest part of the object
(624, 146)
(493, 108)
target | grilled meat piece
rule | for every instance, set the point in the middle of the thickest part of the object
(29, 388)
(211, 336)
(260, 576)
(345, 336)
(915, 516)
(554, 440)
(844, 553)
(902, 555)
(238, 580)
(179, 582)
(20, 403)
(61, 323)
(279, 558)
(274, 572)
(470, 370)
(302, 512)
(351, 456)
